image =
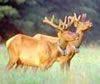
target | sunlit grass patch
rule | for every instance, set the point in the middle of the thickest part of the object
(85, 69)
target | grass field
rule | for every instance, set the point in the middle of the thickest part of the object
(85, 69)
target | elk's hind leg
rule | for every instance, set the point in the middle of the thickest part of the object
(11, 62)
(13, 58)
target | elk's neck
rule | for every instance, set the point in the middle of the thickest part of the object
(79, 41)
(80, 32)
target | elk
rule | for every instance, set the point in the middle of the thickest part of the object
(82, 25)
(33, 52)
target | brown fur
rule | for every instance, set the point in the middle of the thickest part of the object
(70, 37)
(31, 52)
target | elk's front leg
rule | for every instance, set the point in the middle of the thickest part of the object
(65, 60)
(47, 64)
(62, 60)
(64, 64)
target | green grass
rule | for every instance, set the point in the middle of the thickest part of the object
(85, 69)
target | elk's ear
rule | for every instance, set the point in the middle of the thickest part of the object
(90, 23)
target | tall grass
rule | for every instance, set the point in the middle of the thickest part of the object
(85, 69)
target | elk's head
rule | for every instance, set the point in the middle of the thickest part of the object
(81, 22)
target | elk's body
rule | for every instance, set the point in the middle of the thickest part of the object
(31, 52)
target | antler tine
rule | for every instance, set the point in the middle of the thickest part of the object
(84, 16)
(52, 19)
(64, 24)
(51, 22)
(45, 20)
(77, 18)
(65, 20)
(69, 22)
(60, 23)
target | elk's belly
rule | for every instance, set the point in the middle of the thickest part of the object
(30, 59)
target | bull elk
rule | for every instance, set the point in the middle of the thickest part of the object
(33, 52)
(82, 25)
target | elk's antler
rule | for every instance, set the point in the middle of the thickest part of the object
(77, 18)
(69, 22)
(82, 22)
(84, 17)
(51, 22)
(62, 25)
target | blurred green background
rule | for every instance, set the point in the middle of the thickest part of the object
(25, 16)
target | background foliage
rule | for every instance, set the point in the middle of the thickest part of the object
(27, 15)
